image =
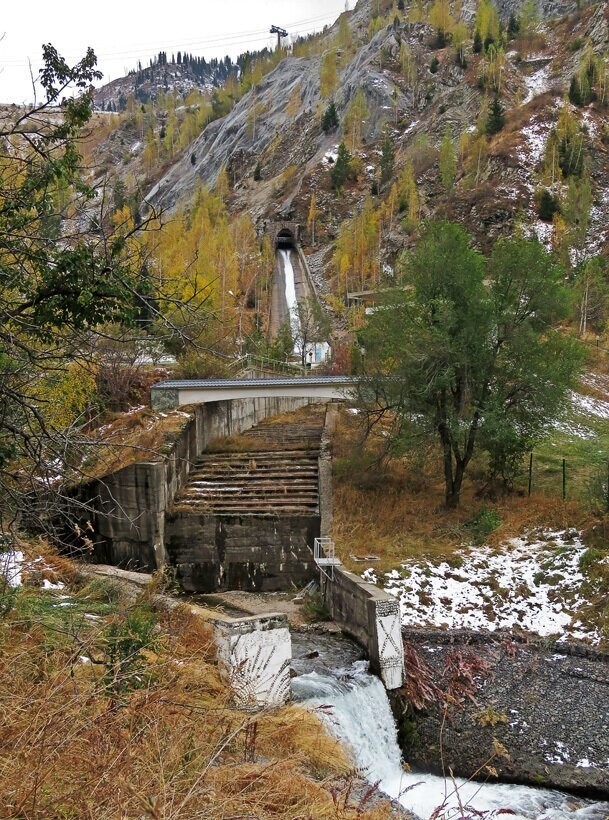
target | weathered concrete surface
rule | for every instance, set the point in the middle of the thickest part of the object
(372, 617)
(217, 391)
(548, 704)
(254, 654)
(325, 471)
(130, 504)
(247, 552)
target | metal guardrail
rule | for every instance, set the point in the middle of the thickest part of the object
(324, 555)
(266, 363)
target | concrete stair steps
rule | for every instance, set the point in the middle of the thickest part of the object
(278, 473)
(252, 474)
(239, 498)
(255, 508)
(255, 464)
(261, 456)
(297, 435)
(252, 487)
(215, 505)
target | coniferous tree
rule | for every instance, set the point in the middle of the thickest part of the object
(575, 94)
(329, 121)
(342, 167)
(513, 26)
(477, 46)
(548, 206)
(387, 158)
(496, 117)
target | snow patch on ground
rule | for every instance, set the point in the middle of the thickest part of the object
(590, 124)
(534, 137)
(10, 567)
(544, 232)
(589, 405)
(531, 583)
(536, 83)
(575, 430)
(330, 156)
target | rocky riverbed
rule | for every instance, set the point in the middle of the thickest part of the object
(533, 711)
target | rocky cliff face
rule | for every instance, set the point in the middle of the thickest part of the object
(294, 154)
(276, 127)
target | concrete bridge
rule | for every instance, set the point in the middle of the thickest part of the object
(177, 393)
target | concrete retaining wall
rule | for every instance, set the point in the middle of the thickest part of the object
(254, 654)
(250, 552)
(372, 617)
(130, 504)
(364, 611)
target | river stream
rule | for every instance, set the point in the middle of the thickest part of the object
(361, 717)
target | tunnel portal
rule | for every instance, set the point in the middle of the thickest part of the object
(284, 240)
(284, 235)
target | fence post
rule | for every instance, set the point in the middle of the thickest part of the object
(564, 479)
(530, 471)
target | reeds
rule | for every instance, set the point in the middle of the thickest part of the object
(169, 745)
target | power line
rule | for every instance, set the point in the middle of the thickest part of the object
(235, 39)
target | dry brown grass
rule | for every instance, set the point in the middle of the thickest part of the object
(143, 435)
(398, 513)
(173, 749)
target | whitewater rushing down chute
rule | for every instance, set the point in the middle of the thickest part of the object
(361, 717)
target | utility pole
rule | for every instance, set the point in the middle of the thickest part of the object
(280, 32)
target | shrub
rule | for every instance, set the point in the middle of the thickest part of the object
(122, 644)
(483, 524)
(314, 608)
(434, 65)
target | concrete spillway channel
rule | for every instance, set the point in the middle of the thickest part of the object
(248, 513)
(291, 281)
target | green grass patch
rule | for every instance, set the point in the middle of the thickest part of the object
(582, 441)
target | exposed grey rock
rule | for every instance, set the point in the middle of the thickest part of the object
(543, 699)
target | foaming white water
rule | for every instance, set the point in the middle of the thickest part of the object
(290, 290)
(361, 717)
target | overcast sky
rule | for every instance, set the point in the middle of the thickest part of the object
(122, 32)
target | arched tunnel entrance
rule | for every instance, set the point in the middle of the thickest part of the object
(285, 240)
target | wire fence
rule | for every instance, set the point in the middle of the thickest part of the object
(571, 477)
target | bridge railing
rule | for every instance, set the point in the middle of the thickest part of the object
(266, 363)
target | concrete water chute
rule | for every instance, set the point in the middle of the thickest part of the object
(292, 285)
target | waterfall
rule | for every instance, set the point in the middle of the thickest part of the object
(362, 719)
(290, 290)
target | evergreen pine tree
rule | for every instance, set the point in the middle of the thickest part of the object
(342, 167)
(575, 94)
(513, 26)
(548, 206)
(257, 173)
(401, 5)
(387, 158)
(477, 47)
(496, 117)
(329, 121)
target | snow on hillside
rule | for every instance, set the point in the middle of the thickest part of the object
(532, 583)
